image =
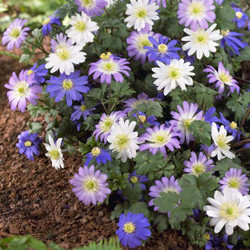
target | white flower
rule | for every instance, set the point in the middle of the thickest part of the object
(201, 41)
(81, 30)
(140, 13)
(123, 139)
(221, 141)
(229, 209)
(169, 77)
(64, 58)
(55, 152)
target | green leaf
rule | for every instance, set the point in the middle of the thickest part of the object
(244, 55)
(139, 207)
(117, 211)
(150, 108)
(132, 192)
(161, 222)
(166, 201)
(35, 127)
(224, 15)
(201, 131)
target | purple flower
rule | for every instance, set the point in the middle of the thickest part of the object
(219, 2)
(134, 178)
(81, 111)
(159, 138)
(184, 118)
(207, 150)
(196, 13)
(90, 186)
(162, 50)
(221, 78)
(240, 18)
(165, 185)
(99, 155)
(71, 86)
(49, 22)
(91, 7)
(209, 117)
(39, 72)
(109, 66)
(159, 2)
(22, 89)
(29, 144)
(61, 41)
(15, 34)
(235, 179)
(198, 165)
(133, 228)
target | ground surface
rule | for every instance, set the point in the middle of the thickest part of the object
(36, 199)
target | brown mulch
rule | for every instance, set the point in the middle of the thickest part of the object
(36, 199)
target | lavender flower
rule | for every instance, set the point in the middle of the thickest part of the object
(39, 72)
(240, 18)
(61, 41)
(134, 178)
(99, 155)
(49, 22)
(207, 150)
(91, 7)
(81, 111)
(209, 117)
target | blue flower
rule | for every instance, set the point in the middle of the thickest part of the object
(49, 22)
(162, 50)
(99, 155)
(132, 229)
(142, 118)
(240, 17)
(71, 86)
(81, 111)
(134, 178)
(39, 72)
(209, 117)
(29, 144)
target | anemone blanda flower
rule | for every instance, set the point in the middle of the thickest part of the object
(162, 49)
(64, 57)
(90, 186)
(71, 86)
(61, 41)
(196, 13)
(15, 34)
(141, 13)
(221, 141)
(39, 72)
(198, 165)
(159, 138)
(164, 185)
(21, 90)
(230, 209)
(81, 29)
(133, 228)
(135, 178)
(109, 66)
(103, 128)
(169, 77)
(29, 144)
(235, 179)
(81, 111)
(136, 43)
(91, 7)
(123, 139)
(55, 152)
(49, 22)
(221, 78)
(100, 155)
(240, 18)
(184, 118)
(201, 41)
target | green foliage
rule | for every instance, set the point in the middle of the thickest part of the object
(161, 222)
(244, 55)
(150, 108)
(201, 131)
(132, 192)
(224, 16)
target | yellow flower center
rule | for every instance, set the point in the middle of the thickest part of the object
(95, 151)
(141, 12)
(187, 123)
(27, 143)
(142, 118)
(143, 42)
(46, 21)
(162, 48)
(106, 124)
(129, 227)
(221, 141)
(167, 190)
(87, 3)
(174, 72)
(30, 72)
(67, 84)
(206, 236)
(63, 53)
(54, 154)
(225, 32)
(239, 14)
(105, 56)
(109, 66)
(198, 169)
(196, 8)
(122, 141)
(80, 26)
(229, 210)
(224, 78)
(160, 139)
(234, 183)
(22, 89)
(15, 33)
(233, 125)
(134, 179)
(83, 108)
(201, 38)
(90, 185)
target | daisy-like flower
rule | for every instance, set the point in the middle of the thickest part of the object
(91, 7)
(29, 144)
(109, 66)
(81, 29)
(55, 152)
(164, 185)
(123, 139)
(229, 209)
(201, 41)
(49, 22)
(235, 179)
(240, 18)
(81, 111)
(136, 43)
(103, 128)
(221, 78)
(159, 138)
(162, 50)
(64, 58)
(196, 13)
(134, 178)
(71, 87)
(22, 89)
(198, 165)
(221, 141)
(100, 155)
(61, 42)
(133, 228)
(140, 13)
(39, 72)
(169, 77)
(15, 34)
(90, 186)
(184, 118)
